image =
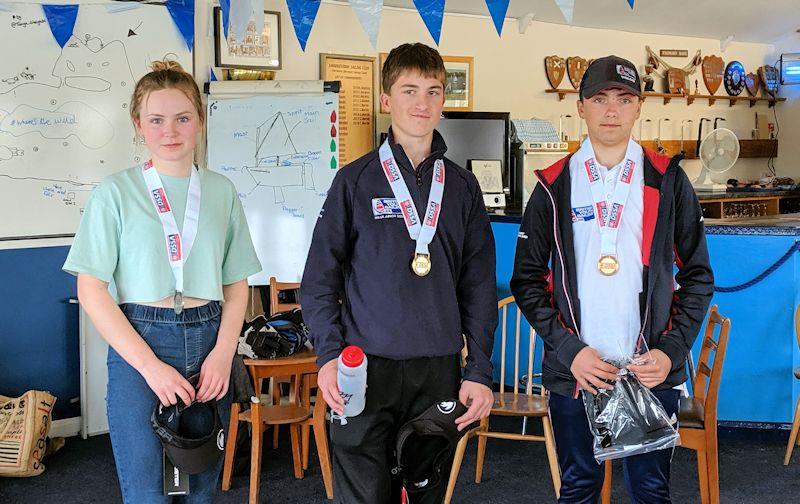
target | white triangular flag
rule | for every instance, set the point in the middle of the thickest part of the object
(567, 7)
(369, 15)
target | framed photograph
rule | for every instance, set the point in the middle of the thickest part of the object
(458, 83)
(258, 51)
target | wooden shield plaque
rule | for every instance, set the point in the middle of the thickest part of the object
(752, 82)
(576, 67)
(734, 78)
(556, 68)
(769, 76)
(676, 81)
(712, 72)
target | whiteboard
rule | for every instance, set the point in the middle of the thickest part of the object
(64, 120)
(281, 152)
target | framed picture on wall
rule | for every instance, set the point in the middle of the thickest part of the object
(258, 51)
(458, 83)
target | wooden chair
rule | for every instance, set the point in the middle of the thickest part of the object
(697, 416)
(794, 439)
(297, 413)
(514, 404)
(276, 304)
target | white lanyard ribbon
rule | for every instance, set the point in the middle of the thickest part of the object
(422, 233)
(608, 213)
(179, 244)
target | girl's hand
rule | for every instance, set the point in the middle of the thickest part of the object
(167, 383)
(215, 375)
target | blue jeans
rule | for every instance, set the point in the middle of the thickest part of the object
(182, 341)
(646, 475)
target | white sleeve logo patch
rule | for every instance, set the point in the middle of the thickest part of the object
(522, 236)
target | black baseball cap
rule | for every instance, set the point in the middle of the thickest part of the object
(610, 72)
(184, 432)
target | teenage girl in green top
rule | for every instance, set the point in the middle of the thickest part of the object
(162, 255)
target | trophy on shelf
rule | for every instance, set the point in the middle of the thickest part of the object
(713, 66)
(576, 67)
(675, 77)
(556, 68)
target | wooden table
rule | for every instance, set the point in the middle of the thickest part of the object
(296, 414)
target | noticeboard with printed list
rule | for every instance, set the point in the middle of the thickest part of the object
(356, 102)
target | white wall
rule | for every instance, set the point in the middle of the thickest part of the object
(509, 71)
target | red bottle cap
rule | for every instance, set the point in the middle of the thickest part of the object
(352, 356)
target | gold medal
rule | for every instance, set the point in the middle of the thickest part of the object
(607, 265)
(421, 264)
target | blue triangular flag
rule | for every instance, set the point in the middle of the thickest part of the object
(303, 13)
(432, 12)
(567, 9)
(182, 12)
(368, 13)
(61, 19)
(630, 2)
(498, 9)
(225, 7)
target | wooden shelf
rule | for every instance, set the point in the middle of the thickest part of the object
(747, 148)
(667, 97)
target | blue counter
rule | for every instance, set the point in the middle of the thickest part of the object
(757, 381)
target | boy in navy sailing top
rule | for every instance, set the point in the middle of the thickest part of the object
(402, 264)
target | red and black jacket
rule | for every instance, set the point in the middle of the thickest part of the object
(545, 286)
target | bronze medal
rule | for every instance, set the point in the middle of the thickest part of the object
(608, 265)
(421, 264)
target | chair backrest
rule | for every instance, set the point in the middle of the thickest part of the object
(277, 288)
(797, 324)
(503, 306)
(705, 383)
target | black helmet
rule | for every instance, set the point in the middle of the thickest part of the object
(184, 433)
(426, 442)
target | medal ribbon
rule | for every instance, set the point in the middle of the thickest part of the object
(421, 233)
(609, 213)
(179, 245)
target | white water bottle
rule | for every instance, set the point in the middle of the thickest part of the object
(352, 380)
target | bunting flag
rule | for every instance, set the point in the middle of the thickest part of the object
(241, 13)
(61, 19)
(498, 9)
(432, 12)
(182, 12)
(567, 8)
(369, 15)
(630, 2)
(225, 7)
(303, 13)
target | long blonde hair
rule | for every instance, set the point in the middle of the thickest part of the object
(166, 74)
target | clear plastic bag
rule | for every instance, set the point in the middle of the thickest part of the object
(628, 420)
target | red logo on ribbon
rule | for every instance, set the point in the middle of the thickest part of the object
(592, 171)
(433, 214)
(391, 171)
(615, 215)
(174, 247)
(627, 171)
(408, 213)
(602, 213)
(438, 172)
(161, 200)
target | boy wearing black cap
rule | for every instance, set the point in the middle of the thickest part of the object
(610, 293)
(402, 265)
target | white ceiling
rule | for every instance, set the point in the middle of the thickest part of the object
(749, 21)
